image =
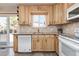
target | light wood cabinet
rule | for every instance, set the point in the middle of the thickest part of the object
(57, 45)
(42, 9)
(40, 43)
(60, 16)
(15, 43)
(23, 15)
(52, 39)
(69, 4)
(48, 43)
(36, 43)
(43, 43)
(37, 8)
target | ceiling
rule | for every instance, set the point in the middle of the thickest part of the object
(8, 8)
(11, 8)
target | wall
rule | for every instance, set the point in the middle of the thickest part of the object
(69, 28)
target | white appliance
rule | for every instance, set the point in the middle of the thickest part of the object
(68, 46)
(24, 43)
(76, 31)
(72, 12)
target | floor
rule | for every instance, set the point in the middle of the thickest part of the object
(9, 52)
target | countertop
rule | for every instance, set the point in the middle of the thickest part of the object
(35, 33)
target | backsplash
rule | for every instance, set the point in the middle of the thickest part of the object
(70, 28)
(28, 29)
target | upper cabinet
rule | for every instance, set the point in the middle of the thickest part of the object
(41, 10)
(23, 12)
(59, 14)
(54, 14)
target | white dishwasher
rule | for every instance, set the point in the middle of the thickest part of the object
(24, 43)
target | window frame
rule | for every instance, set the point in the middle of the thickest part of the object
(45, 13)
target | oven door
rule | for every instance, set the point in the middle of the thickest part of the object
(67, 47)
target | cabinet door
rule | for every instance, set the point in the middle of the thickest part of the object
(52, 38)
(37, 43)
(45, 46)
(49, 43)
(34, 42)
(59, 14)
(23, 14)
(50, 15)
(41, 38)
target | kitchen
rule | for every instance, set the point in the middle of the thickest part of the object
(50, 29)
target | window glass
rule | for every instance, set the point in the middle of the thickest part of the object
(39, 20)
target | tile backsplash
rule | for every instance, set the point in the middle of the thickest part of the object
(70, 28)
(28, 29)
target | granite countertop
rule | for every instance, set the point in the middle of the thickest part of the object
(34, 33)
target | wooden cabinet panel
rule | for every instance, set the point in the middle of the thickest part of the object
(41, 8)
(52, 39)
(15, 43)
(60, 14)
(69, 4)
(37, 43)
(33, 8)
(50, 15)
(48, 43)
(57, 45)
(44, 8)
(23, 14)
(45, 42)
(34, 42)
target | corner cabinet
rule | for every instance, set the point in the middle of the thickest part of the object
(23, 12)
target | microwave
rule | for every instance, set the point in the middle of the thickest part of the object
(73, 12)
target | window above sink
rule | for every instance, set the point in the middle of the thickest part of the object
(39, 20)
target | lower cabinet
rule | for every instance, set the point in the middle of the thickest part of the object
(15, 43)
(43, 43)
(36, 43)
(57, 45)
(39, 43)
